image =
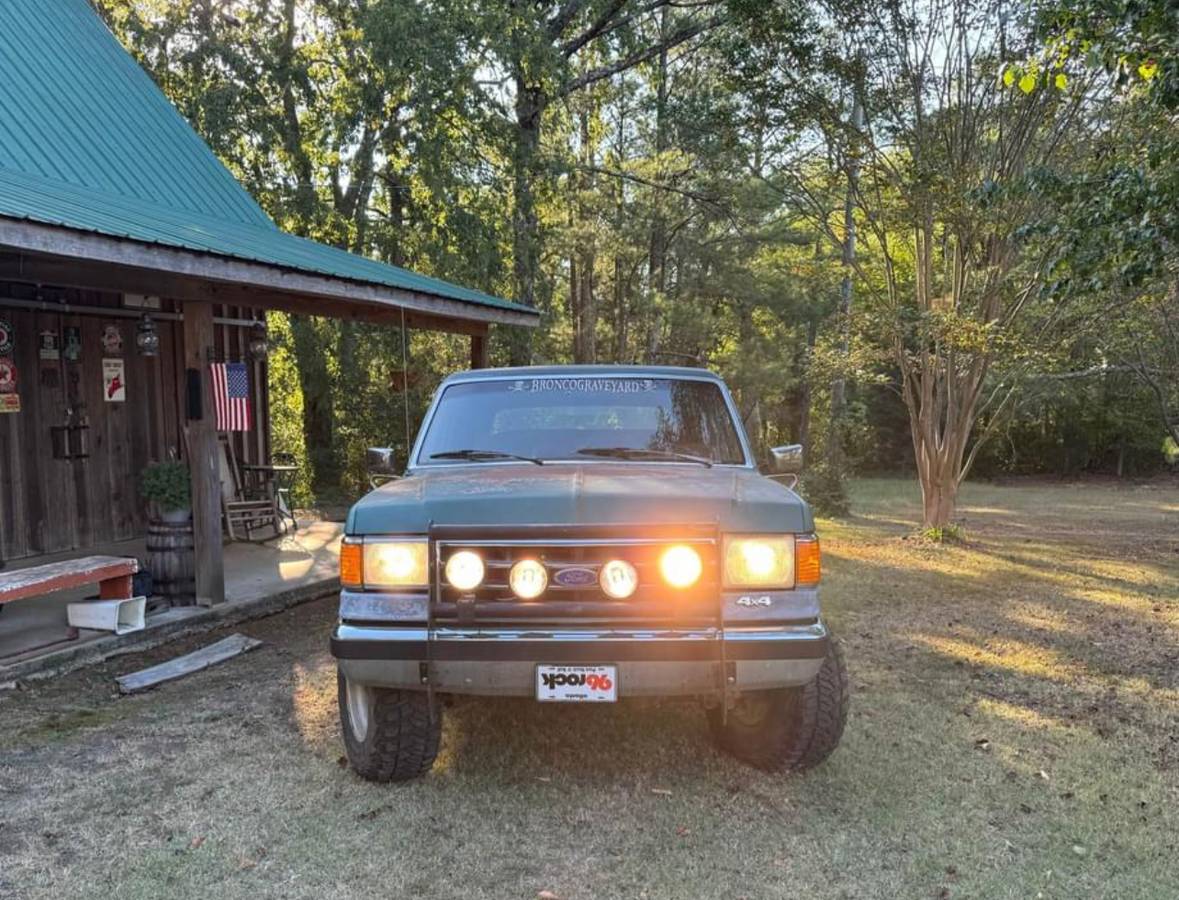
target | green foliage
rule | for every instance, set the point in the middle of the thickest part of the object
(166, 484)
(687, 207)
(942, 534)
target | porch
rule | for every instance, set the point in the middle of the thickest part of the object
(259, 578)
(136, 276)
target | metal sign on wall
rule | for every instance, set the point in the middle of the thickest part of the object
(49, 344)
(114, 387)
(9, 398)
(112, 340)
(8, 376)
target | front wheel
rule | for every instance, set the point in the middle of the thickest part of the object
(390, 735)
(789, 729)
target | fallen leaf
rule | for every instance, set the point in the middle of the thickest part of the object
(246, 863)
(546, 895)
(1079, 850)
(196, 842)
(982, 744)
(682, 831)
(1043, 774)
(661, 791)
(342, 762)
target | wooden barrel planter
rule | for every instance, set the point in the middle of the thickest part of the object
(172, 562)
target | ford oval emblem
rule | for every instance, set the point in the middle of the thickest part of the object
(575, 576)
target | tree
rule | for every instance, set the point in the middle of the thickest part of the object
(1125, 237)
(952, 283)
(541, 48)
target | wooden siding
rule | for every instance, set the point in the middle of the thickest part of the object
(49, 505)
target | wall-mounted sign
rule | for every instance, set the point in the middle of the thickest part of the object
(49, 344)
(73, 343)
(9, 403)
(114, 387)
(7, 337)
(8, 376)
(112, 340)
(141, 301)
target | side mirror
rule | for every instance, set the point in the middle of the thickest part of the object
(786, 460)
(380, 465)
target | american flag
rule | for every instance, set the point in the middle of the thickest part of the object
(231, 396)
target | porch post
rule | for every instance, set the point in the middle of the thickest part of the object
(202, 450)
(479, 357)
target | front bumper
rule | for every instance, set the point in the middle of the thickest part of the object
(501, 661)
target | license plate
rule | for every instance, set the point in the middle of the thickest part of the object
(577, 684)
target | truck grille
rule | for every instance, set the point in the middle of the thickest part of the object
(653, 600)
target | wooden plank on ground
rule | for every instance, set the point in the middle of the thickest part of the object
(232, 646)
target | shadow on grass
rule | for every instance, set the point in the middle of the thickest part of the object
(1024, 633)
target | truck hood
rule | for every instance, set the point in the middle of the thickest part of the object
(573, 494)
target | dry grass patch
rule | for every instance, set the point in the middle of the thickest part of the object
(1014, 733)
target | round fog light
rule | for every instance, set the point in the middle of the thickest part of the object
(680, 566)
(618, 579)
(528, 579)
(464, 570)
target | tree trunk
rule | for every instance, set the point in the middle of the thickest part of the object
(318, 408)
(585, 303)
(657, 263)
(530, 102)
(939, 499)
(621, 313)
(835, 440)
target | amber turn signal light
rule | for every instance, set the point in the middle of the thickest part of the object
(807, 563)
(351, 565)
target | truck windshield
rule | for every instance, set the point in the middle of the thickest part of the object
(657, 420)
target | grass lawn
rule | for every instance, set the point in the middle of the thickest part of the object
(1014, 733)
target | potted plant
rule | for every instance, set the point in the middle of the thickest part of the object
(166, 484)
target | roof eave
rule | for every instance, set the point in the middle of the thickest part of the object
(340, 293)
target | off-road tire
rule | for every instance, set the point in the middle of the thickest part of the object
(401, 736)
(790, 729)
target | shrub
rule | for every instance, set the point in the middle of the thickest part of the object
(167, 485)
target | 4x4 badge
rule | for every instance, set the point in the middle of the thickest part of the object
(750, 600)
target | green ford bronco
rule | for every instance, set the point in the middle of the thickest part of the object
(581, 534)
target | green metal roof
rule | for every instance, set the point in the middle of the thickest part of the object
(89, 142)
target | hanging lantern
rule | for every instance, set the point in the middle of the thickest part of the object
(259, 345)
(147, 339)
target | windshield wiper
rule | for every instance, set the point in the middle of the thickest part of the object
(478, 455)
(640, 453)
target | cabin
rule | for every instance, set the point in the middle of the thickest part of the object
(132, 266)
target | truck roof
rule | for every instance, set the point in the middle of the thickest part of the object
(585, 371)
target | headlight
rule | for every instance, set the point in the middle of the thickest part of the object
(383, 564)
(618, 579)
(765, 561)
(396, 564)
(528, 579)
(464, 570)
(680, 566)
